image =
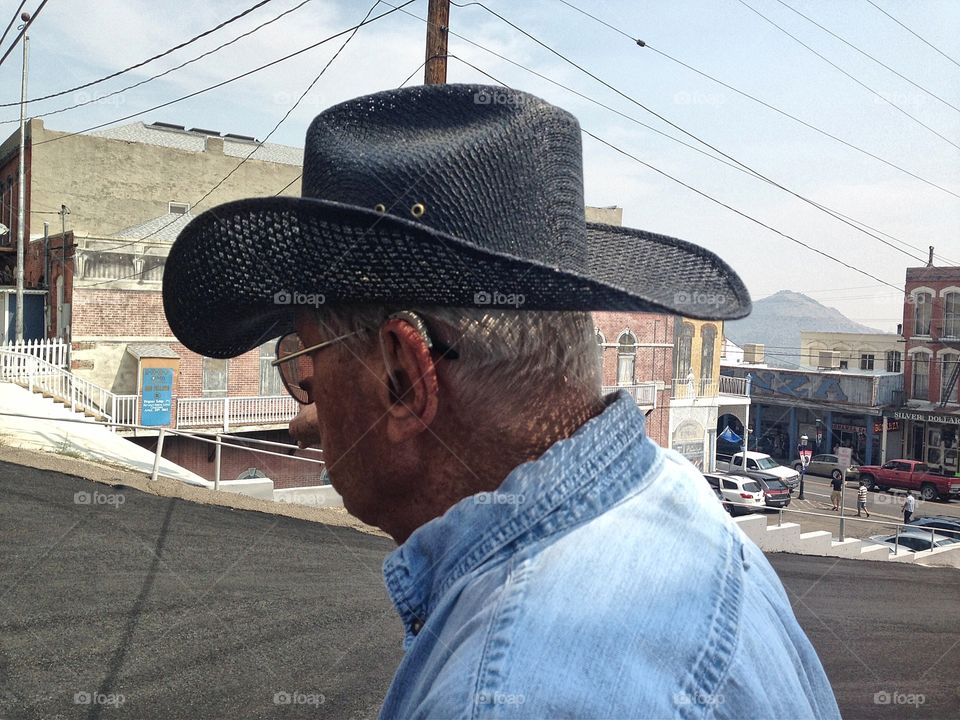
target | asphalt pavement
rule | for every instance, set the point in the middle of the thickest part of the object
(115, 603)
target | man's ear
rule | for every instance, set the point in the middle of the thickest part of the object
(411, 394)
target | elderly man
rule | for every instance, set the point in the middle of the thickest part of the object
(431, 289)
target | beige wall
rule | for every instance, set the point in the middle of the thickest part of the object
(112, 184)
(850, 346)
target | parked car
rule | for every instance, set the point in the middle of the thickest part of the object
(741, 494)
(759, 466)
(945, 525)
(910, 475)
(828, 466)
(776, 494)
(913, 540)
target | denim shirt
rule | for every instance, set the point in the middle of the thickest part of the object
(602, 580)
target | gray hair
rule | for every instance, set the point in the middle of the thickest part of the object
(507, 358)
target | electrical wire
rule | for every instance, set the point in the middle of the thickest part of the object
(868, 55)
(858, 82)
(925, 42)
(223, 82)
(758, 174)
(16, 14)
(23, 30)
(707, 196)
(101, 98)
(645, 44)
(309, 87)
(144, 62)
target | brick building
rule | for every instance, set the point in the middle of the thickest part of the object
(931, 327)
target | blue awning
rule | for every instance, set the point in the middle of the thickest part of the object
(729, 436)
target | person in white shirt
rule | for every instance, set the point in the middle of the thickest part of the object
(909, 505)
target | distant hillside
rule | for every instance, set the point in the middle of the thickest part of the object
(776, 321)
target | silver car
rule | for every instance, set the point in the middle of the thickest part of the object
(828, 466)
(913, 540)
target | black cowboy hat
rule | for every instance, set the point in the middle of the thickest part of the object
(452, 195)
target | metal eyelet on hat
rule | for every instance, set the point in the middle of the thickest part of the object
(418, 210)
(380, 208)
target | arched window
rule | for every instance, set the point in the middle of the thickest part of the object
(626, 358)
(600, 341)
(708, 339)
(951, 315)
(920, 387)
(684, 351)
(948, 394)
(923, 312)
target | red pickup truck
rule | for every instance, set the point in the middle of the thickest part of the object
(910, 475)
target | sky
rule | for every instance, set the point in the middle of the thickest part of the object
(719, 205)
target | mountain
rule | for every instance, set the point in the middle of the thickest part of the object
(776, 321)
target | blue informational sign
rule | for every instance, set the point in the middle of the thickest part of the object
(156, 396)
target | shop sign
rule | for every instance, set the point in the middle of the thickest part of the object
(924, 417)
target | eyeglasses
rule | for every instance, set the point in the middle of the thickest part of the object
(295, 362)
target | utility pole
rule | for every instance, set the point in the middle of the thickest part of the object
(438, 19)
(22, 191)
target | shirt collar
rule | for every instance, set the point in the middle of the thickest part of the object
(570, 483)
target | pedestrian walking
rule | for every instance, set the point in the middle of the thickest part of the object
(909, 506)
(836, 496)
(862, 499)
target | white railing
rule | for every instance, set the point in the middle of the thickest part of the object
(688, 388)
(644, 394)
(52, 350)
(38, 375)
(733, 385)
(227, 412)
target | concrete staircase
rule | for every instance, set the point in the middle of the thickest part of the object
(788, 537)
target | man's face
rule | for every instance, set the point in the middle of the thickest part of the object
(343, 389)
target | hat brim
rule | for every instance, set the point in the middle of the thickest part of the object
(235, 272)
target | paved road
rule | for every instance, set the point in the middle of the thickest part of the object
(190, 611)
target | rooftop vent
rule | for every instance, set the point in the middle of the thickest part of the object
(234, 136)
(167, 126)
(215, 133)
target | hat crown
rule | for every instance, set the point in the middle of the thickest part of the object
(498, 168)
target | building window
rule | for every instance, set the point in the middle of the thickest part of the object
(922, 313)
(178, 208)
(684, 351)
(626, 358)
(920, 388)
(893, 361)
(866, 361)
(270, 383)
(708, 339)
(844, 364)
(214, 377)
(948, 394)
(951, 315)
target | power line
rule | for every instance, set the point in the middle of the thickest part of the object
(642, 43)
(840, 69)
(710, 197)
(760, 175)
(144, 62)
(309, 87)
(101, 98)
(224, 82)
(23, 30)
(925, 42)
(16, 14)
(868, 55)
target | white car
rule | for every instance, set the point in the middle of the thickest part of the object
(740, 494)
